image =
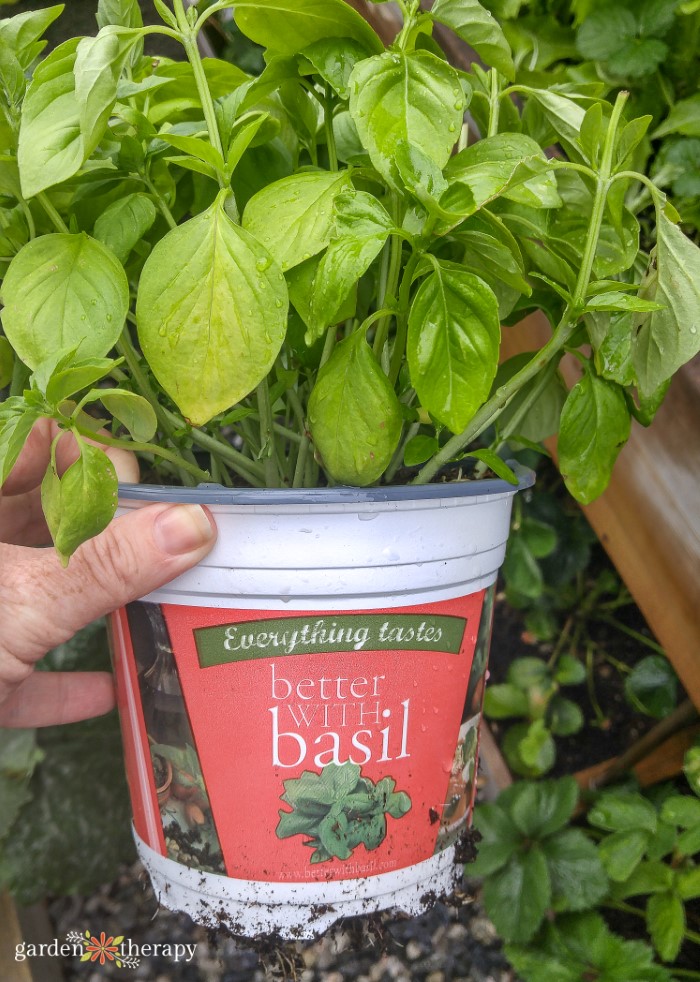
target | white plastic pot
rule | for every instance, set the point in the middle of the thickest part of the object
(300, 711)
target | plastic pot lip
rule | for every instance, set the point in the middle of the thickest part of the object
(216, 494)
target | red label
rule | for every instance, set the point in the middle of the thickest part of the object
(310, 746)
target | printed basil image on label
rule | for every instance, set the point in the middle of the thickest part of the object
(305, 635)
(338, 810)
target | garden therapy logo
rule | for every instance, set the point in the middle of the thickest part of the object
(105, 949)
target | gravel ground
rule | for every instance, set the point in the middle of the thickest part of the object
(447, 944)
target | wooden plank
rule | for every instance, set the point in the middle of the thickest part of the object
(665, 762)
(648, 520)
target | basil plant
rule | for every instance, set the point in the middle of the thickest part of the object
(300, 278)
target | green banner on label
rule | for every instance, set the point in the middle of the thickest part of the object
(308, 634)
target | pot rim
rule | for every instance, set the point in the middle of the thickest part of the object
(216, 494)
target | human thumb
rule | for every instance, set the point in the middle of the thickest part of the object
(44, 604)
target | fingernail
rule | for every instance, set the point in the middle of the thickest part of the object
(182, 528)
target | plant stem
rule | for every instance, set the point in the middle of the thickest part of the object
(566, 327)
(494, 103)
(267, 435)
(248, 469)
(48, 207)
(630, 632)
(330, 135)
(160, 201)
(397, 354)
(152, 448)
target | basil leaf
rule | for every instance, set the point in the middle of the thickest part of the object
(98, 66)
(7, 362)
(419, 449)
(131, 409)
(124, 223)
(363, 225)
(64, 291)
(564, 116)
(50, 142)
(22, 32)
(670, 337)
(67, 378)
(542, 418)
(293, 218)
(595, 425)
(453, 341)
(496, 164)
(125, 13)
(15, 427)
(414, 98)
(81, 503)
(211, 313)
(288, 26)
(684, 118)
(479, 28)
(334, 59)
(354, 415)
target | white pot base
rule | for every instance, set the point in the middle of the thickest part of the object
(295, 911)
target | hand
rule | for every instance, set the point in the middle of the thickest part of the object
(42, 604)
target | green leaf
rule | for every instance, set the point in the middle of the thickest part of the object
(71, 376)
(668, 338)
(541, 808)
(22, 32)
(398, 98)
(569, 671)
(529, 673)
(98, 67)
(211, 313)
(334, 59)
(82, 502)
(504, 701)
(638, 57)
(666, 924)
(688, 883)
(595, 425)
(605, 32)
(14, 430)
(684, 119)
(131, 409)
(289, 26)
(499, 839)
(50, 141)
(64, 291)
(362, 227)
(688, 843)
(124, 13)
(478, 27)
(494, 166)
(530, 749)
(7, 362)
(453, 342)
(652, 686)
(517, 896)
(691, 767)
(521, 570)
(419, 449)
(198, 148)
(620, 811)
(681, 810)
(124, 223)
(293, 218)
(575, 870)
(622, 851)
(563, 114)
(354, 415)
(612, 300)
(648, 877)
(494, 463)
(564, 717)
